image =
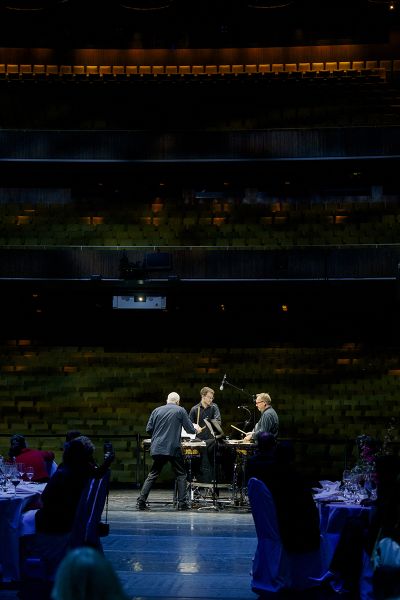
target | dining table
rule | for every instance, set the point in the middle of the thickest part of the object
(333, 517)
(13, 502)
(335, 511)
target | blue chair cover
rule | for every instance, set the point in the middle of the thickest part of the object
(275, 569)
(44, 552)
(88, 515)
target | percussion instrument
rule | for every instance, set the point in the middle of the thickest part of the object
(189, 447)
(245, 448)
(192, 448)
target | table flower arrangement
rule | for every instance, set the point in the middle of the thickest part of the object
(369, 449)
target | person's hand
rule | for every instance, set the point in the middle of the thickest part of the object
(247, 438)
(109, 457)
(197, 427)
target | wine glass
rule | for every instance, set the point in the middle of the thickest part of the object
(370, 487)
(346, 479)
(3, 478)
(8, 471)
(30, 472)
(15, 480)
(21, 469)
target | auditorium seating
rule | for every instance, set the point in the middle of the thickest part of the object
(334, 221)
(325, 396)
(96, 72)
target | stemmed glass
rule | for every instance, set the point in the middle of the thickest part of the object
(21, 469)
(8, 471)
(348, 485)
(15, 480)
(370, 487)
(30, 471)
(3, 478)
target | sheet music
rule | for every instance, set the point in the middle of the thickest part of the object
(185, 434)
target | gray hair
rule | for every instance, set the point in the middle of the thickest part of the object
(264, 397)
(173, 397)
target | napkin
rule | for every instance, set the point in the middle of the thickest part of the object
(25, 487)
(330, 491)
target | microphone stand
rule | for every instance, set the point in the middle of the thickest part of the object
(226, 382)
(247, 422)
(252, 416)
(252, 396)
(214, 505)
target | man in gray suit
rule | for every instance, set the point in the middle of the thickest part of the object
(165, 427)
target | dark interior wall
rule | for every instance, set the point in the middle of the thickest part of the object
(326, 350)
(225, 23)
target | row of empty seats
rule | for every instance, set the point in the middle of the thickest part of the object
(110, 72)
(221, 223)
(103, 395)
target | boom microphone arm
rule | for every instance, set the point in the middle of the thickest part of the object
(226, 382)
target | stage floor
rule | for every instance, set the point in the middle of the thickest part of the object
(201, 554)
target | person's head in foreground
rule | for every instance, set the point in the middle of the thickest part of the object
(85, 574)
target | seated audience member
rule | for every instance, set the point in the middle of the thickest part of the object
(61, 496)
(85, 574)
(298, 520)
(71, 435)
(53, 522)
(109, 454)
(40, 460)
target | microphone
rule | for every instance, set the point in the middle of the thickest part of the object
(242, 406)
(221, 387)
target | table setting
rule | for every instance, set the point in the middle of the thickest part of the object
(338, 502)
(16, 496)
(353, 489)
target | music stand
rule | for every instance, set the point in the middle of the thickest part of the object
(215, 429)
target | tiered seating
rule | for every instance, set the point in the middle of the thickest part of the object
(379, 69)
(215, 223)
(325, 396)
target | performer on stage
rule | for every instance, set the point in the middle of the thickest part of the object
(165, 427)
(205, 409)
(269, 421)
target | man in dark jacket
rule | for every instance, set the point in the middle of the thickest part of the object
(165, 427)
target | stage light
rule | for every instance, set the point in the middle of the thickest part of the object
(140, 302)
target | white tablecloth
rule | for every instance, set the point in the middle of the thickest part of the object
(333, 516)
(11, 507)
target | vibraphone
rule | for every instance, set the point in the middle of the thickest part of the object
(239, 478)
(191, 449)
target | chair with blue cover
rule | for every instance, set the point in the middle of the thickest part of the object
(46, 551)
(85, 531)
(275, 569)
(51, 467)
